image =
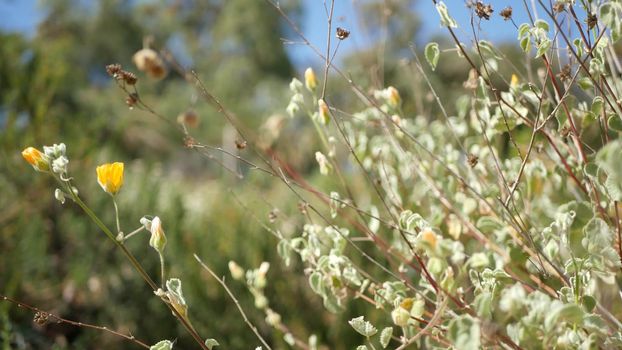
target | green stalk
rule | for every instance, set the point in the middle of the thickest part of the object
(137, 266)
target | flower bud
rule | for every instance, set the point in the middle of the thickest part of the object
(55, 151)
(322, 161)
(158, 238)
(429, 237)
(400, 316)
(59, 195)
(110, 177)
(38, 160)
(295, 86)
(59, 165)
(393, 96)
(236, 271)
(323, 112)
(514, 81)
(310, 79)
(260, 301)
(189, 118)
(272, 318)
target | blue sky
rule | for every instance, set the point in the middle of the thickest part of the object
(24, 15)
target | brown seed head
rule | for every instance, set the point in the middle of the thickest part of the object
(483, 10)
(342, 34)
(591, 20)
(41, 317)
(131, 100)
(506, 13)
(113, 69)
(559, 6)
(472, 160)
(240, 144)
(129, 77)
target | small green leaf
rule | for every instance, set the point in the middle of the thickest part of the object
(523, 30)
(525, 43)
(615, 123)
(363, 327)
(446, 19)
(162, 345)
(542, 25)
(361, 347)
(315, 280)
(597, 105)
(591, 169)
(385, 336)
(585, 83)
(588, 302)
(543, 47)
(284, 250)
(464, 333)
(432, 54)
(210, 343)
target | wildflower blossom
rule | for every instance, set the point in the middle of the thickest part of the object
(323, 112)
(38, 160)
(110, 177)
(310, 79)
(158, 238)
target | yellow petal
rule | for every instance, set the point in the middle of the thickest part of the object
(110, 177)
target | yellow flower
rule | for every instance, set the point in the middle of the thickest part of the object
(110, 177)
(323, 111)
(310, 79)
(514, 80)
(429, 237)
(394, 96)
(36, 158)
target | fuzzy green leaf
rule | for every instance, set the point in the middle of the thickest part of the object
(363, 327)
(432, 53)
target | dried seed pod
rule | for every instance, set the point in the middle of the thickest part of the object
(506, 13)
(189, 118)
(342, 34)
(148, 61)
(41, 317)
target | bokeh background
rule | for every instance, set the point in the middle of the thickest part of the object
(54, 88)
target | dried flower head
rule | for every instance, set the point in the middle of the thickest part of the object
(472, 160)
(483, 10)
(273, 215)
(240, 144)
(110, 177)
(342, 34)
(113, 69)
(472, 81)
(591, 20)
(565, 73)
(128, 77)
(41, 317)
(189, 118)
(506, 13)
(559, 6)
(189, 142)
(131, 100)
(148, 61)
